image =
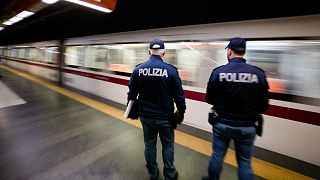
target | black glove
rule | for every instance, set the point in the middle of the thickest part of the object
(178, 118)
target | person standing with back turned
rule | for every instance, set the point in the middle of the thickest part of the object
(239, 94)
(158, 85)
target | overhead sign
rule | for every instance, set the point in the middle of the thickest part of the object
(102, 5)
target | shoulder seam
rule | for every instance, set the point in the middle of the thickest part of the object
(218, 67)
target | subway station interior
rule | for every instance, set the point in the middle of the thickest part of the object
(65, 68)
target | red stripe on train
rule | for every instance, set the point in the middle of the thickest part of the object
(294, 114)
(274, 110)
(34, 64)
(98, 76)
(198, 96)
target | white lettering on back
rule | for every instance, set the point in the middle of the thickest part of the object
(238, 77)
(153, 72)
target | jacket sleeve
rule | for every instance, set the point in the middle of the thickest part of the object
(178, 93)
(212, 88)
(264, 94)
(133, 86)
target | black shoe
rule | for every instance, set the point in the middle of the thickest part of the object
(205, 178)
(175, 177)
(156, 177)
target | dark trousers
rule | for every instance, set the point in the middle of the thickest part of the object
(151, 129)
(243, 138)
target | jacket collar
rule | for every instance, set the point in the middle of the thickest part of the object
(156, 57)
(237, 59)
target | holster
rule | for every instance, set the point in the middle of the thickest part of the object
(213, 117)
(259, 125)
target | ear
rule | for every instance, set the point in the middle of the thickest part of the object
(149, 52)
(229, 52)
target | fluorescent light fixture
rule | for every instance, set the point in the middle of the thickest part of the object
(8, 23)
(15, 19)
(50, 1)
(21, 46)
(25, 14)
(90, 5)
(1, 28)
(18, 17)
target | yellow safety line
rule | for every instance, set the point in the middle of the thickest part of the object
(261, 168)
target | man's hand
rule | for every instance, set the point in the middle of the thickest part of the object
(179, 116)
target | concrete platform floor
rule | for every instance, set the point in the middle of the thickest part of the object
(58, 134)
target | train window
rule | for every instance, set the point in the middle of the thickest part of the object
(188, 63)
(74, 56)
(32, 54)
(21, 53)
(195, 61)
(170, 56)
(141, 55)
(129, 58)
(9, 52)
(267, 60)
(26, 53)
(96, 57)
(89, 57)
(5, 53)
(303, 74)
(40, 53)
(116, 61)
(124, 57)
(290, 66)
(14, 53)
(51, 55)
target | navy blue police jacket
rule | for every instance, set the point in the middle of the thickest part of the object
(159, 86)
(238, 91)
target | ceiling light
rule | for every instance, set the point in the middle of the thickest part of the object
(50, 1)
(91, 5)
(15, 19)
(25, 14)
(18, 17)
(8, 23)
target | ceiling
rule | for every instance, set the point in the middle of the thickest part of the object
(10, 8)
(64, 19)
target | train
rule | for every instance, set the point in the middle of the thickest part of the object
(287, 49)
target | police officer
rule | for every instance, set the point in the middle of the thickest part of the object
(239, 93)
(158, 85)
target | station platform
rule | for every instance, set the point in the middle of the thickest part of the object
(52, 132)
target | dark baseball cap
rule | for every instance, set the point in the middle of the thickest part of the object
(156, 44)
(237, 44)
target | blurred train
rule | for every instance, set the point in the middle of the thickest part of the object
(288, 49)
